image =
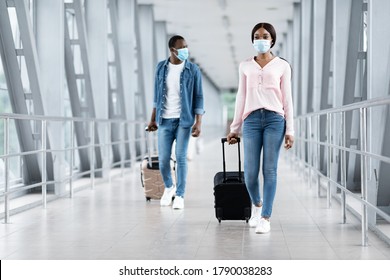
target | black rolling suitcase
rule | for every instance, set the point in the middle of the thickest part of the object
(231, 198)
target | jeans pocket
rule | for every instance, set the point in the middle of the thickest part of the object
(277, 115)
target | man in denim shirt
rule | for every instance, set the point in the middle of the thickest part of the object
(177, 113)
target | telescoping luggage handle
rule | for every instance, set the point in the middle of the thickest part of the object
(148, 144)
(223, 140)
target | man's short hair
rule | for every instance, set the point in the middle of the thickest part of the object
(173, 40)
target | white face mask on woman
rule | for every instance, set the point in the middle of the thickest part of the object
(262, 46)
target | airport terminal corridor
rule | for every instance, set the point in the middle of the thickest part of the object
(114, 221)
(81, 80)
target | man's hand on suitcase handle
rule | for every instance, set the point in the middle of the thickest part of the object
(195, 131)
(152, 126)
(232, 138)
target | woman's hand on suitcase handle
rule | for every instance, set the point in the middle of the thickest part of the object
(232, 138)
(288, 141)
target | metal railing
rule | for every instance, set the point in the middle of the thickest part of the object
(69, 149)
(307, 153)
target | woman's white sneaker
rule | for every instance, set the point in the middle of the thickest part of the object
(263, 226)
(255, 216)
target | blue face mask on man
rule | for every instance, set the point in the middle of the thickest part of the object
(262, 46)
(182, 54)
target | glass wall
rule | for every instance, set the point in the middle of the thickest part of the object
(15, 172)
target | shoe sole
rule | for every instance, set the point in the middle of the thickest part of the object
(262, 232)
(177, 207)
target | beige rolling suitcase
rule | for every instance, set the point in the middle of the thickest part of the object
(151, 179)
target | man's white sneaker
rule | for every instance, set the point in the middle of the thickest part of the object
(255, 216)
(264, 226)
(178, 202)
(166, 199)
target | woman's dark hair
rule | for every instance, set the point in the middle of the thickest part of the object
(173, 40)
(268, 27)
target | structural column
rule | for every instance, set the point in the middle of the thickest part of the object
(148, 47)
(96, 40)
(50, 48)
(129, 58)
(379, 118)
(96, 24)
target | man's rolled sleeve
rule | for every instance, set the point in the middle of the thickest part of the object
(199, 111)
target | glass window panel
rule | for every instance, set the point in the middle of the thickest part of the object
(24, 75)
(78, 65)
(112, 77)
(71, 24)
(5, 105)
(109, 27)
(110, 51)
(115, 104)
(81, 90)
(15, 27)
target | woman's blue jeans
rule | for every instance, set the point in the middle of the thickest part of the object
(263, 130)
(169, 131)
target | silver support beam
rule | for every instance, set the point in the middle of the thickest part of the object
(127, 41)
(364, 190)
(12, 56)
(6, 171)
(148, 54)
(162, 39)
(310, 72)
(79, 84)
(353, 91)
(43, 163)
(115, 88)
(296, 62)
(146, 63)
(50, 48)
(327, 77)
(343, 171)
(132, 68)
(305, 36)
(379, 86)
(96, 18)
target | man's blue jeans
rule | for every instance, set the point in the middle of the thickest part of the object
(262, 130)
(169, 131)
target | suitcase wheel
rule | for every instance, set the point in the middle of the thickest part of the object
(148, 199)
(219, 214)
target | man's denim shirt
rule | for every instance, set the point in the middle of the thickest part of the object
(191, 92)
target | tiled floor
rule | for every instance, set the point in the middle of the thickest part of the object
(113, 221)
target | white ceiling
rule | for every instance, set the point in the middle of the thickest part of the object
(218, 32)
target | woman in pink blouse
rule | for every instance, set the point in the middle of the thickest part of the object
(264, 110)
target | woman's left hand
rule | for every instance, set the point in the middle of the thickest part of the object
(288, 141)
